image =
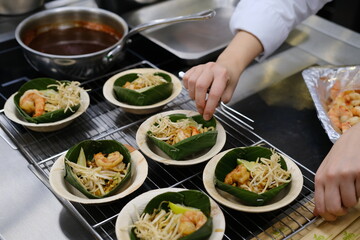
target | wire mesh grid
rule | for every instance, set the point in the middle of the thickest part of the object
(104, 121)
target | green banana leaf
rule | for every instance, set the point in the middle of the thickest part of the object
(90, 148)
(229, 161)
(42, 84)
(189, 198)
(150, 96)
(191, 145)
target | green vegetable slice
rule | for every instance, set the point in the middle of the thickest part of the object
(91, 147)
(230, 160)
(82, 158)
(189, 198)
(191, 145)
(250, 165)
(42, 84)
(179, 208)
(150, 96)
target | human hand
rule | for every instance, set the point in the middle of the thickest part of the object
(208, 84)
(337, 181)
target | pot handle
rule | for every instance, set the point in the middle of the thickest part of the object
(203, 15)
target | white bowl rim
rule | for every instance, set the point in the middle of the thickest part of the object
(295, 186)
(12, 113)
(60, 186)
(218, 216)
(110, 95)
(141, 140)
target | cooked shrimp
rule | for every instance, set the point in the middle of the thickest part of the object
(356, 111)
(334, 90)
(33, 103)
(182, 134)
(191, 221)
(338, 101)
(355, 102)
(339, 114)
(144, 80)
(128, 85)
(349, 123)
(111, 161)
(240, 175)
(351, 95)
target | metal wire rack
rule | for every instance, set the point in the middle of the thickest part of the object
(104, 121)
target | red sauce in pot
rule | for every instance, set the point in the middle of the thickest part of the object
(82, 38)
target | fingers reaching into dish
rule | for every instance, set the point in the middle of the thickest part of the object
(208, 84)
(222, 76)
(337, 181)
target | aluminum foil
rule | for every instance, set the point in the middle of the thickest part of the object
(319, 81)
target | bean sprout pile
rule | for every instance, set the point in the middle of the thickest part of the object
(259, 176)
(65, 97)
(172, 132)
(145, 81)
(160, 225)
(267, 174)
(96, 180)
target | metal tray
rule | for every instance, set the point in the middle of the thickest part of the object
(195, 41)
(103, 120)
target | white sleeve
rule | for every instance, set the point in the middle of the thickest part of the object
(272, 20)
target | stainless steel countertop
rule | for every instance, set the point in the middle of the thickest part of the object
(28, 210)
(315, 41)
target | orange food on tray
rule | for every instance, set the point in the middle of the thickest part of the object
(344, 107)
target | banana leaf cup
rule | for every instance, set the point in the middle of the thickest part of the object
(91, 147)
(146, 97)
(229, 162)
(190, 145)
(48, 117)
(187, 198)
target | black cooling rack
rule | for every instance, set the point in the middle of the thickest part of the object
(103, 120)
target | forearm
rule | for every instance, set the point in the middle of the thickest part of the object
(241, 51)
(272, 20)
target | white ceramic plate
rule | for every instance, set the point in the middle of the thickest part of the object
(110, 95)
(136, 206)
(285, 197)
(64, 189)
(153, 152)
(12, 113)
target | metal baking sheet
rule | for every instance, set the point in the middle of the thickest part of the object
(195, 41)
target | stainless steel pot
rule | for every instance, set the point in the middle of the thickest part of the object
(15, 7)
(123, 6)
(84, 66)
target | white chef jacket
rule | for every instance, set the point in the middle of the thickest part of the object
(272, 20)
